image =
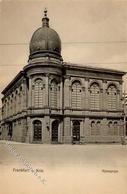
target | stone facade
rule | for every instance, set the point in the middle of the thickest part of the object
(68, 103)
(50, 101)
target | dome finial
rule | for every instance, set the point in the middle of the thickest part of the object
(45, 12)
(45, 19)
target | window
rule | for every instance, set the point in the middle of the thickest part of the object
(98, 127)
(19, 102)
(113, 128)
(38, 93)
(94, 96)
(112, 97)
(53, 94)
(95, 127)
(14, 104)
(76, 95)
(110, 127)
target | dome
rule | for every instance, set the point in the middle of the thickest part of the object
(45, 41)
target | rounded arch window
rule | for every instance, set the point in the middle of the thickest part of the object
(76, 94)
(93, 128)
(94, 96)
(54, 93)
(37, 93)
(112, 97)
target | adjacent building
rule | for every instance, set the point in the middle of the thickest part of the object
(51, 101)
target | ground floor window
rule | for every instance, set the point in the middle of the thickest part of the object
(113, 128)
(37, 135)
(95, 127)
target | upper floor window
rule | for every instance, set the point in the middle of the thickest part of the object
(94, 96)
(112, 97)
(38, 93)
(53, 94)
(76, 95)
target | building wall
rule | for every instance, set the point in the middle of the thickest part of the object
(91, 99)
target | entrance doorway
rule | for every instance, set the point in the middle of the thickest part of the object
(10, 130)
(37, 135)
(55, 125)
(76, 131)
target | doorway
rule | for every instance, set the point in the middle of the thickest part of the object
(37, 135)
(55, 125)
(76, 131)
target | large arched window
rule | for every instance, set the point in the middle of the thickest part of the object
(37, 130)
(112, 97)
(94, 96)
(76, 95)
(53, 93)
(38, 93)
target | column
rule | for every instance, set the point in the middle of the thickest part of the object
(61, 93)
(46, 99)
(87, 103)
(104, 95)
(66, 92)
(30, 99)
(67, 130)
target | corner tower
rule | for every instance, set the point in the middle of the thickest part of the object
(45, 85)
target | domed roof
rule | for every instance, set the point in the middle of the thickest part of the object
(45, 41)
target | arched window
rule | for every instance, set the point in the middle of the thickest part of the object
(93, 128)
(76, 95)
(115, 128)
(11, 105)
(14, 105)
(98, 127)
(38, 93)
(94, 96)
(76, 131)
(19, 102)
(37, 133)
(8, 108)
(110, 128)
(112, 97)
(53, 94)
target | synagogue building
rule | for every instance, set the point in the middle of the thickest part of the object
(51, 101)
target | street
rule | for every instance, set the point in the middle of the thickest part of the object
(63, 169)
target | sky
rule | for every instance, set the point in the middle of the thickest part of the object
(92, 32)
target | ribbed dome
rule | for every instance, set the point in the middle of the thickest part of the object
(45, 41)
